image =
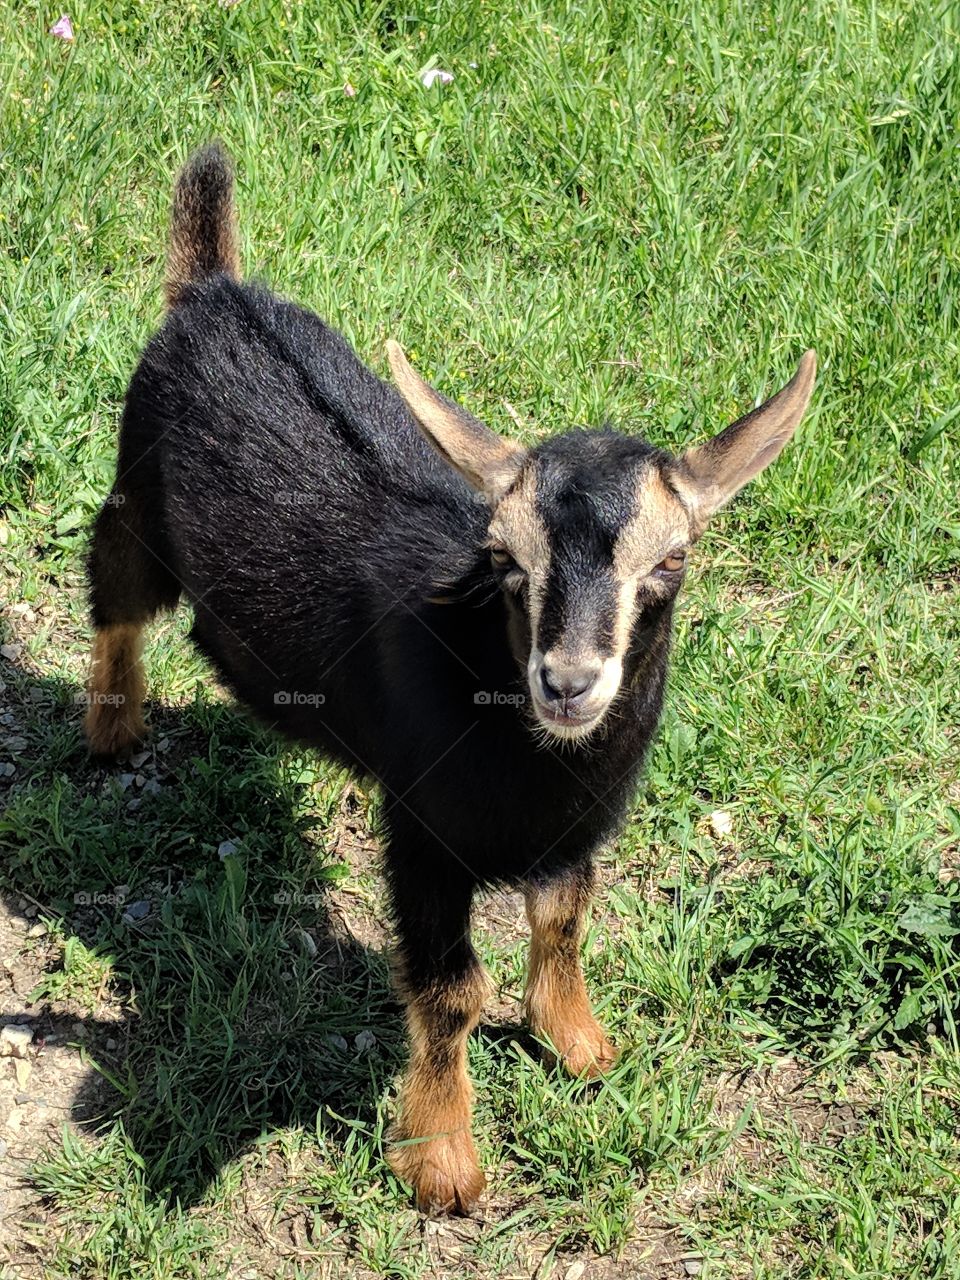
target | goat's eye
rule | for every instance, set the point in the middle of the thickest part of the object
(502, 558)
(673, 563)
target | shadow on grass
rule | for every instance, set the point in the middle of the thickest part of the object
(245, 1003)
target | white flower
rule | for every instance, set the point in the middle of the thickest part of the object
(431, 77)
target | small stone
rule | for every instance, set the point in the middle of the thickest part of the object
(7, 769)
(15, 1120)
(134, 805)
(308, 944)
(152, 787)
(37, 930)
(336, 1042)
(226, 849)
(136, 911)
(15, 1040)
(139, 759)
(139, 780)
(21, 1099)
(125, 780)
(163, 744)
(364, 1041)
(721, 823)
(110, 1044)
(692, 1266)
(79, 1030)
(31, 911)
(11, 651)
(16, 744)
(575, 1271)
(121, 891)
(22, 1070)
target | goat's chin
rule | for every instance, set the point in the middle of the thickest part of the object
(570, 733)
(567, 729)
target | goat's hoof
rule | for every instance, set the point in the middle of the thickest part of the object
(113, 733)
(443, 1172)
(584, 1051)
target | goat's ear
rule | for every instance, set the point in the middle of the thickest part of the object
(484, 459)
(720, 467)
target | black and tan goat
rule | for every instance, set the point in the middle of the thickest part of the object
(481, 628)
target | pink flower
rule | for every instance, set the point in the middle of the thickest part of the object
(62, 28)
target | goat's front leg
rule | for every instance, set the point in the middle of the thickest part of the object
(443, 986)
(556, 1002)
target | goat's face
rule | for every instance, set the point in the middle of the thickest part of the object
(589, 539)
(589, 533)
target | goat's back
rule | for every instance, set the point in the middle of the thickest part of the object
(287, 466)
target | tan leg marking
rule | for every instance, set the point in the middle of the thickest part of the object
(435, 1102)
(114, 720)
(556, 1002)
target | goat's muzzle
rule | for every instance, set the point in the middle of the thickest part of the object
(571, 695)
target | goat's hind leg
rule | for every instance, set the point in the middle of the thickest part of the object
(443, 986)
(556, 1001)
(130, 581)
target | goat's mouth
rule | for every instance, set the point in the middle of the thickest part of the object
(568, 722)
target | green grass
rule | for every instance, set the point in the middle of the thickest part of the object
(641, 214)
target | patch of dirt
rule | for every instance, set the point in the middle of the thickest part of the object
(272, 1235)
(784, 1092)
(51, 1084)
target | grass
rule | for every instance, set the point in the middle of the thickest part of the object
(641, 214)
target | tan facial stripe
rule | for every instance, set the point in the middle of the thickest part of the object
(517, 524)
(659, 524)
(625, 607)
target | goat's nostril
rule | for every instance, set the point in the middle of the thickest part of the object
(567, 681)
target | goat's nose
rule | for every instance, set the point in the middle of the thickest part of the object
(567, 680)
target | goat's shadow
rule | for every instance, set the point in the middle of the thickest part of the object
(247, 1004)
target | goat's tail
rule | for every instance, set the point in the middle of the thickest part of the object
(203, 223)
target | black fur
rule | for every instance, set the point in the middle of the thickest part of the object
(286, 490)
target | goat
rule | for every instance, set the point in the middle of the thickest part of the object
(481, 628)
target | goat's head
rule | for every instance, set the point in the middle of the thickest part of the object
(589, 533)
